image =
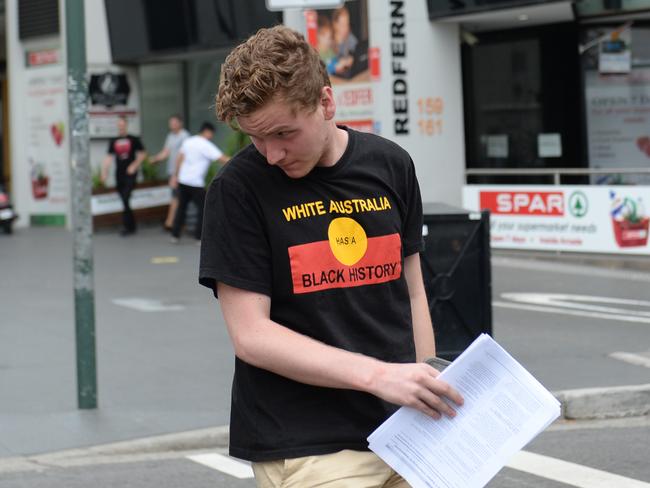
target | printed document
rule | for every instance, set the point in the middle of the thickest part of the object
(505, 407)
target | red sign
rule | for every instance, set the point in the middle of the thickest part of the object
(366, 125)
(311, 18)
(541, 203)
(314, 267)
(374, 62)
(40, 58)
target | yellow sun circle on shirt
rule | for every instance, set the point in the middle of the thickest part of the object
(348, 240)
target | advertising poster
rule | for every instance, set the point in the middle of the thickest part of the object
(46, 114)
(341, 37)
(618, 122)
(604, 219)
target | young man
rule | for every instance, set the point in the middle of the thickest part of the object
(311, 241)
(192, 164)
(177, 134)
(128, 152)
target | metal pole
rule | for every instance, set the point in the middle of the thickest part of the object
(81, 186)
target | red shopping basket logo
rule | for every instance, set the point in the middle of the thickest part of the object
(631, 234)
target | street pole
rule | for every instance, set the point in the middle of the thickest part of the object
(81, 186)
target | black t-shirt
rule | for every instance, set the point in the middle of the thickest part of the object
(124, 149)
(329, 250)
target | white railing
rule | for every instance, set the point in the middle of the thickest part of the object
(557, 173)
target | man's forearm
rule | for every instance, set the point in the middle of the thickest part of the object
(106, 164)
(425, 346)
(276, 348)
(264, 343)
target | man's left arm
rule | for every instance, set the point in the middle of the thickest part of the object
(137, 162)
(425, 346)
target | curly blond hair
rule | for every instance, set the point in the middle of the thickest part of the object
(275, 63)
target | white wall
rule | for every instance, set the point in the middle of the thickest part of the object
(98, 49)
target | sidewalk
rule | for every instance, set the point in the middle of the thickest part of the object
(158, 371)
(164, 361)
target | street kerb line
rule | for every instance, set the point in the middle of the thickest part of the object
(572, 269)
(578, 313)
(570, 473)
(224, 464)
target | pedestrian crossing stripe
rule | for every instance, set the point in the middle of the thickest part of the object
(164, 260)
(224, 464)
(570, 473)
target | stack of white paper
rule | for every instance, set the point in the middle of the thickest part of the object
(505, 407)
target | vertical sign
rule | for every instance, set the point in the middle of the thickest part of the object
(46, 115)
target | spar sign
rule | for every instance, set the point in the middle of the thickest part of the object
(541, 203)
(609, 219)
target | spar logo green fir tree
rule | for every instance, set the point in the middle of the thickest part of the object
(578, 204)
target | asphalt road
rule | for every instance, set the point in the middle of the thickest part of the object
(165, 362)
(563, 322)
(590, 454)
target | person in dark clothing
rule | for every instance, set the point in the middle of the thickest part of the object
(128, 153)
(311, 242)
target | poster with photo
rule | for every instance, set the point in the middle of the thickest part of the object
(341, 37)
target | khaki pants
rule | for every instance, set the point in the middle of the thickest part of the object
(343, 469)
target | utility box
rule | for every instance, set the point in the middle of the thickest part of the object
(457, 275)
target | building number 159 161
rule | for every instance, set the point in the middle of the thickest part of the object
(430, 111)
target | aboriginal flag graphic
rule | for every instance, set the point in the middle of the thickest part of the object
(347, 259)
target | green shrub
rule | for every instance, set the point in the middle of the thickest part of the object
(234, 143)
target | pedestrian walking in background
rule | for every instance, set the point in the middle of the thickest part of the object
(192, 164)
(310, 242)
(175, 138)
(128, 153)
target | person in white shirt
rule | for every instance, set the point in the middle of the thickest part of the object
(173, 141)
(192, 164)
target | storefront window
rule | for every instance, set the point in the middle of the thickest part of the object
(202, 86)
(587, 8)
(162, 95)
(522, 102)
(616, 65)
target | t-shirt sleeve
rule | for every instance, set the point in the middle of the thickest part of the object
(212, 152)
(137, 144)
(111, 147)
(412, 224)
(234, 246)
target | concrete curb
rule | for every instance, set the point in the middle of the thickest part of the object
(215, 438)
(210, 438)
(604, 403)
(577, 404)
